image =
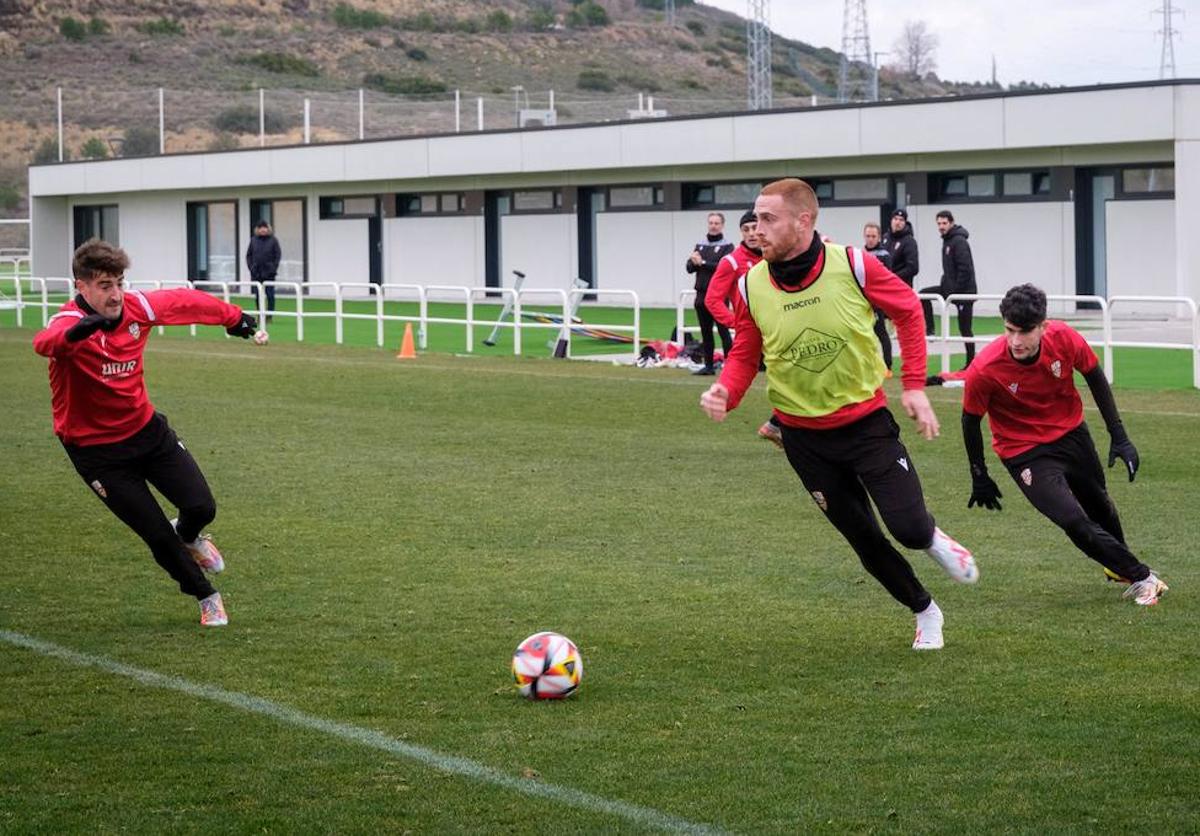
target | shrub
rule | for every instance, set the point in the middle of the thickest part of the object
(281, 62)
(223, 141)
(98, 26)
(639, 82)
(94, 149)
(140, 141)
(424, 22)
(350, 17)
(696, 28)
(10, 198)
(587, 13)
(540, 17)
(47, 152)
(243, 119)
(417, 54)
(161, 26)
(499, 21)
(226, 31)
(72, 29)
(135, 57)
(595, 80)
(412, 85)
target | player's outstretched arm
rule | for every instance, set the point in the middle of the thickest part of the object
(1120, 446)
(984, 491)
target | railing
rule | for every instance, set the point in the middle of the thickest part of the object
(40, 290)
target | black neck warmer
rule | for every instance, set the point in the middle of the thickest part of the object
(792, 273)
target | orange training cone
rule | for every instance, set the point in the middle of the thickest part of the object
(407, 351)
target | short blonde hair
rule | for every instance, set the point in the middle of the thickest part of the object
(796, 193)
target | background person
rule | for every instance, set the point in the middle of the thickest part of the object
(703, 261)
(903, 254)
(958, 276)
(806, 309)
(111, 432)
(262, 259)
(1024, 382)
(873, 244)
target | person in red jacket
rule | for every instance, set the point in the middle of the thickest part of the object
(113, 436)
(1024, 382)
(808, 311)
(721, 287)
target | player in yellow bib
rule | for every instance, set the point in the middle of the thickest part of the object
(808, 310)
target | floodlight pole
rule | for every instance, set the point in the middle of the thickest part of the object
(457, 111)
(361, 119)
(479, 112)
(875, 75)
(162, 136)
(262, 121)
(60, 131)
(307, 114)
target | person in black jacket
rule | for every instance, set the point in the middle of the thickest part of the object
(958, 276)
(703, 261)
(262, 259)
(902, 248)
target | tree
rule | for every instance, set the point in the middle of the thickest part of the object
(916, 49)
(94, 149)
(140, 141)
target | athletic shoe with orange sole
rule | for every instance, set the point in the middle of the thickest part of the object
(770, 432)
(204, 552)
(212, 611)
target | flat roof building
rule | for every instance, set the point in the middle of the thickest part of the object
(1085, 190)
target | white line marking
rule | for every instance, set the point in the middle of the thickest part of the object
(366, 737)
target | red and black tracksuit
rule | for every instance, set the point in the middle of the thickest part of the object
(111, 432)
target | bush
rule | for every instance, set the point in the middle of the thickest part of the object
(140, 142)
(595, 80)
(417, 54)
(639, 82)
(587, 13)
(161, 26)
(47, 152)
(135, 57)
(10, 198)
(349, 17)
(499, 21)
(72, 29)
(411, 85)
(540, 18)
(696, 28)
(424, 22)
(98, 26)
(94, 149)
(281, 62)
(243, 119)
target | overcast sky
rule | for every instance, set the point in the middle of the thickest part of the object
(1071, 42)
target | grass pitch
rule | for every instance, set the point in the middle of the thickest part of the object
(393, 529)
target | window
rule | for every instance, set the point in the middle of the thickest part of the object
(539, 201)
(212, 241)
(870, 190)
(1141, 181)
(359, 206)
(97, 222)
(953, 185)
(823, 189)
(981, 185)
(628, 197)
(1018, 183)
(447, 203)
(725, 195)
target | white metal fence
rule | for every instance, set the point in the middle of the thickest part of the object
(40, 293)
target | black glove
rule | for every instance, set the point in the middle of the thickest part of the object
(87, 326)
(245, 327)
(984, 492)
(1122, 448)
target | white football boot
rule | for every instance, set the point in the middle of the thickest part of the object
(953, 557)
(929, 629)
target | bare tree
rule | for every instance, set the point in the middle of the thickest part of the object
(916, 49)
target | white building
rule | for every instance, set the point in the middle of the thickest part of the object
(1086, 190)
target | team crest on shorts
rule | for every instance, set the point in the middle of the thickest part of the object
(1027, 477)
(98, 488)
(819, 498)
(1056, 368)
(135, 330)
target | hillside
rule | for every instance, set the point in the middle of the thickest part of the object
(211, 58)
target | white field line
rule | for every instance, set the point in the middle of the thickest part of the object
(368, 738)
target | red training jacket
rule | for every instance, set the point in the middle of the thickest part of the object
(884, 290)
(731, 268)
(97, 388)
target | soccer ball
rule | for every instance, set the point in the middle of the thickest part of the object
(547, 666)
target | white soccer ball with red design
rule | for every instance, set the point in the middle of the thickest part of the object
(547, 666)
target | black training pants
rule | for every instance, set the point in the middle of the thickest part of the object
(121, 473)
(1064, 480)
(706, 328)
(885, 341)
(841, 468)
